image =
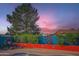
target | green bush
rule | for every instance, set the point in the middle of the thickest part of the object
(26, 38)
(61, 39)
(34, 39)
(71, 38)
(16, 38)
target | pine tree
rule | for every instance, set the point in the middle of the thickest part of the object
(23, 19)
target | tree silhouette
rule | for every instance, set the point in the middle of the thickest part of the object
(23, 19)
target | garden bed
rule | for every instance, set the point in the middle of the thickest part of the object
(47, 46)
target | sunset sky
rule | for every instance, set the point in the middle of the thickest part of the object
(52, 16)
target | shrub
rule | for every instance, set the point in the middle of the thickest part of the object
(27, 38)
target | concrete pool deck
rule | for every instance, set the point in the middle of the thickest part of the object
(38, 52)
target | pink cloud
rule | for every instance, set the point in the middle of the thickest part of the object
(47, 23)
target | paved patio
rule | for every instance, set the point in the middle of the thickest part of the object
(37, 52)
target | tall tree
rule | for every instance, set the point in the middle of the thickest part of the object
(23, 19)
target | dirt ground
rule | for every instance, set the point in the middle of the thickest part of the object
(38, 52)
